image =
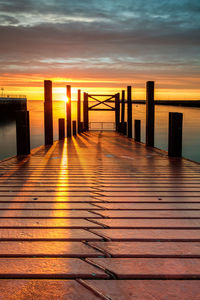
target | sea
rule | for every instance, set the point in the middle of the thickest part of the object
(191, 126)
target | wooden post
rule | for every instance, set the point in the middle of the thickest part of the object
(175, 134)
(82, 127)
(117, 111)
(137, 134)
(74, 127)
(150, 114)
(68, 109)
(61, 128)
(22, 132)
(48, 113)
(85, 112)
(129, 112)
(120, 127)
(79, 111)
(123, 106)
(125, 128)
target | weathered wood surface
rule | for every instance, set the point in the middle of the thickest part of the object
(109, 218)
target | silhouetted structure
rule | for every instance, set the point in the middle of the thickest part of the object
(85, 112)
(61, 129)
(150, 119)
(129, 112)
(22, 132)
(79, 111)
(175, 134)
(137, 133)
(68, 108)
(48, 113)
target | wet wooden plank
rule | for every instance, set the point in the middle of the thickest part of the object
(47, 248)
(44, 289)
(150, 234)
(46, 214)
(152, 193)
(160, 188)
(153, 206)
(43, 189)
(147, 289)
(50, 199)
(48, 268)
(47, 234)
(150, 214)
(47, 223)
(155, 199)
(157, 268)
(150, 223)
(22, 193)
(149, 249)
(35, 205)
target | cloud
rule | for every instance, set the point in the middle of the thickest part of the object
(119, 38)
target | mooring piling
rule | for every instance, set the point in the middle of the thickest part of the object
(85, 112)
(22, 132)
(68, 110)
(150, 113)
(137, 130)
(79, 111)
(175, 134)
(74, 127)
(129, 112)
(61, 129)
(123, 106)
(117, 111)
(48, 113)
(81, 127)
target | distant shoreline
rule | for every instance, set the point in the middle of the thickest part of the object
(15, 105)
(183, 103)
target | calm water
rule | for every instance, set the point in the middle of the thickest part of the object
(191, 127)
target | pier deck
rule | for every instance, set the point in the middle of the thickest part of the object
(99, 217)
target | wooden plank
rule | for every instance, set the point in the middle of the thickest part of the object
(146, 289)
(150, 223)
(48, 268)
(150, 214)
(153, 206)
(149, 249)
(181, 235)
(44, 193)
(44, 289)
(151, 268)
(46, 223)
(43, 234)
(147, 199)
(44, 189)
(47, 214)
(34, 205)
(48, 248)
(49, 199)
(140, 193)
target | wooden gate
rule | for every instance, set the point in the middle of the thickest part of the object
(102, 100)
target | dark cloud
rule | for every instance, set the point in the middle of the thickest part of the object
(122, 37)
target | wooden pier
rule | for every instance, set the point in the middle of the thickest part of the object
(99, 216)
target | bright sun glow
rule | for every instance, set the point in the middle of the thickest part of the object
(65, 98)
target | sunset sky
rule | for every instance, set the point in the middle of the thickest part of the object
(100, 46)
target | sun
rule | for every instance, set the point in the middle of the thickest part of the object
(65, 98)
